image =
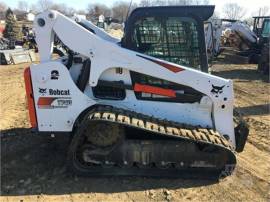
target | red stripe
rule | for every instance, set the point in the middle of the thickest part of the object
(169, 67)
(154, 90)
(45, 101)
(30, 98)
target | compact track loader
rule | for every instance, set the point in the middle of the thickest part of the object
(144, 105)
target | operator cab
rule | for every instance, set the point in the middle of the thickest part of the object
(261, 27)
(171, 33)
(265, 34)
(258, 24)
(266, 28)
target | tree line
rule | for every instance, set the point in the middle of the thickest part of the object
(119, 10)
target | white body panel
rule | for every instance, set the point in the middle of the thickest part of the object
(214, 110)
(57, 119)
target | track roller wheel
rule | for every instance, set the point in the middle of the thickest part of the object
(108, 164)
(92, 142)
(163, 165)
(179, 165)
(143, 165)
(125, 164)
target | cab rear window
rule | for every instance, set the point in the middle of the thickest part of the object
(174, 39)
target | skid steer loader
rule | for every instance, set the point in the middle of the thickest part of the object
(143, 105)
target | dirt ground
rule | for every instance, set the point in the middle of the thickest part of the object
(33, 166)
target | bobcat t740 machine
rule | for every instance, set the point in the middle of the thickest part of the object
(140, 106)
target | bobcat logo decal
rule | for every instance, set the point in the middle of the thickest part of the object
(42, 90)
(217, 90)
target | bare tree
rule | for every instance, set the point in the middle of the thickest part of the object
(81, 12)
(249, 21)
(71, 11)
(173, 2)
(263, 11)
(63, 8)
(201, 2)
(43, 5)
(159, 3)
(3, 7)
(233, 11)
(145, 3)
(97, 9)
(180, 2)
(216, 15)
(121, 9)
(34, 8)
(23, 6)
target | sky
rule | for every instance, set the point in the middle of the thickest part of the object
(251, 6)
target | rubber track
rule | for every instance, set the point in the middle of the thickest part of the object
(156, 127)
(159, 126)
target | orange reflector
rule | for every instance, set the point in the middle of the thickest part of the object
(30, 97)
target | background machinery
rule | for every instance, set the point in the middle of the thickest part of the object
(236, 38)
(262, 29)
(15, 52)
(144, 105)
